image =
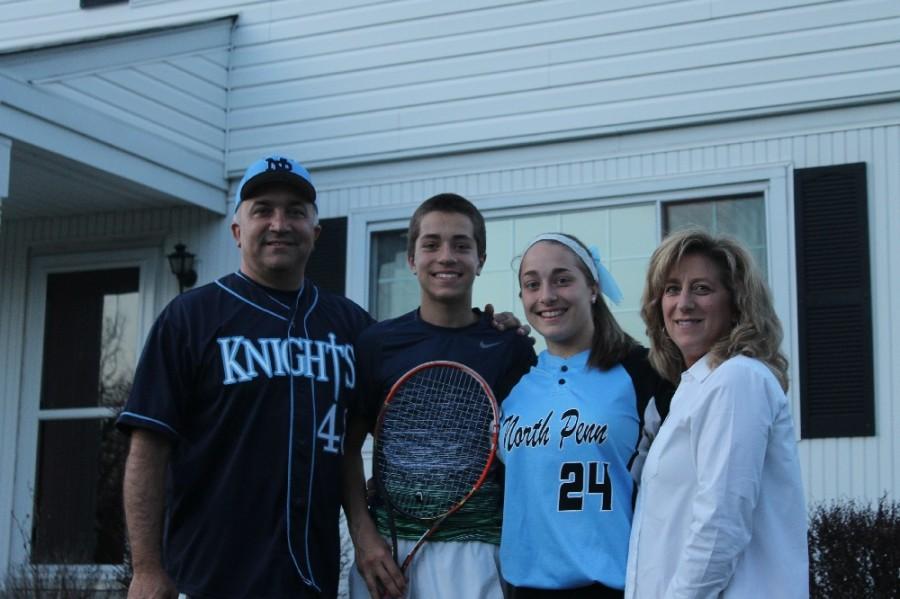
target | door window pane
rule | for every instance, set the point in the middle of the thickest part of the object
(90, 336)
(90, 344)
(118, 343)
(78, 516)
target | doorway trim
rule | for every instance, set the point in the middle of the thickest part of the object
(148, 261)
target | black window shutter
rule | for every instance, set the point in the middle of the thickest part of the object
(327, 266)
(834, 302)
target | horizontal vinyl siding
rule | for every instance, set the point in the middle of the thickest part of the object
(358, 80)
(345, 89)
(862, 468)
(532, 69)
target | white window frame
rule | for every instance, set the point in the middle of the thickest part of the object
(772, 181)
(147, 260)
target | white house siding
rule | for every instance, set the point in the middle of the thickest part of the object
(539, 177)
(359, 80)
(407, 79)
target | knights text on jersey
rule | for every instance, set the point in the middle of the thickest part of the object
(389, 349)
(251, 385)
(568, 436)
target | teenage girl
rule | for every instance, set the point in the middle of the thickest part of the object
(571, 430)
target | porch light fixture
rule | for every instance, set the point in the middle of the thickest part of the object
(182, 264)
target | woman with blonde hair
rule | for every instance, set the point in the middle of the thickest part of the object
(721, 511)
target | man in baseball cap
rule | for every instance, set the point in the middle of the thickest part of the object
(275, 168)
(276, 222)
(236, 415)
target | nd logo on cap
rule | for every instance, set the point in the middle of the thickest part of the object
(275, 169)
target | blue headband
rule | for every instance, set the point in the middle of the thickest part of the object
(601, 276)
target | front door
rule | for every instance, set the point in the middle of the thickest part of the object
(87, 316)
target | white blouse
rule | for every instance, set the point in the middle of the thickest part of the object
(721, 511)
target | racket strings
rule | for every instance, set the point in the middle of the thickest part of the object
(435, 440)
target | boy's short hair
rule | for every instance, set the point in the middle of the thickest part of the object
(453, 203)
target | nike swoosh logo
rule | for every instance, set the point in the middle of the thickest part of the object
(484, 345)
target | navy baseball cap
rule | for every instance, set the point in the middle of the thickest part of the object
(271, 169)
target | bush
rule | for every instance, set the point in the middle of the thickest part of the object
(63, 582)
(59, 576)
(854, 550)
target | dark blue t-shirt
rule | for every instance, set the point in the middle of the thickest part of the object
(251, 386)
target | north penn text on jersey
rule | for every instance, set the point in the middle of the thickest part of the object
(539, 433)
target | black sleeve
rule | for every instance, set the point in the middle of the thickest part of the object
(163, 379)
(653, 394)
(367, 400)
(648, 384)
(522, 358)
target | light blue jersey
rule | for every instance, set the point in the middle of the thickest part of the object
(568, 436)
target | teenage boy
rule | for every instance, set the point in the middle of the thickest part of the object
(445, 251)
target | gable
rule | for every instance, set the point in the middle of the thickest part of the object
(170, 82)
(126, 122)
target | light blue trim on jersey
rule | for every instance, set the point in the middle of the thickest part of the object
(255, 305)
(290, 455)
(148, 419)
(309, 581)
(280, 303)
(315, 422)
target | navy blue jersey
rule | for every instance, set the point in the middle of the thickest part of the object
(389, 349)
(251, 386)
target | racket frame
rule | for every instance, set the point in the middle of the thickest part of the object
(379, 484)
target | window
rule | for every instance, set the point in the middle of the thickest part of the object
(626, 236)
(743, 218)
(393, 288)
(833, 380)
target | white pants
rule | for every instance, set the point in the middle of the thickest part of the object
(444, 570)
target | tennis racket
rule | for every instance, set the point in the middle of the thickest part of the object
(435, 440)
